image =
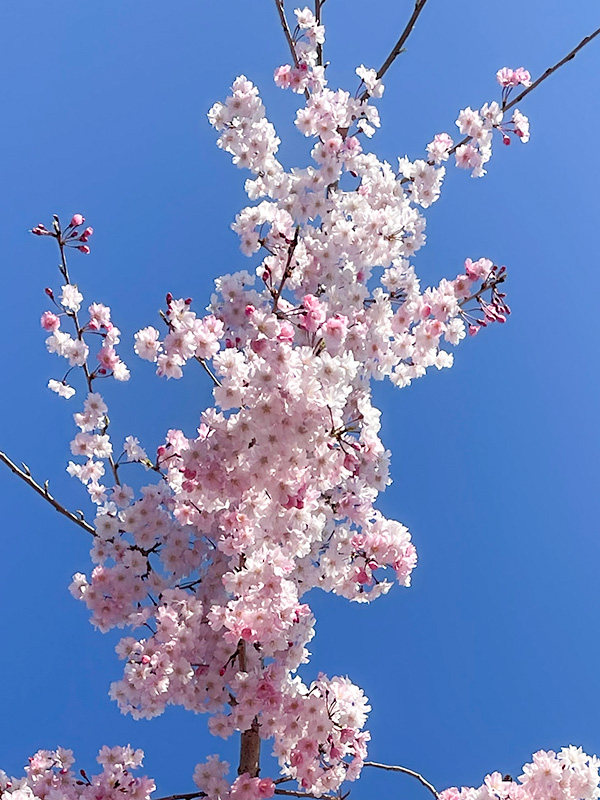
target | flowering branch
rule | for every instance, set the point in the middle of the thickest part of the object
(286, 30)
(550, 70)
(406, 771)
(535, 84)
(289, 38)
(25, 475)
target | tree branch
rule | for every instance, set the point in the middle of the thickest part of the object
(536, 83)
(250, 751)
(208, 370)
(397, 48)
(188, 796)
(288, 36)
(318, 6)
(406, 771)
(550, 70)
(286, 30)
(292, 793)
(25, 475)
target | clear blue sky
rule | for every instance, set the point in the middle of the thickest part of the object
(493, 652)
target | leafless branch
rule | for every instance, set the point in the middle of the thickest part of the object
(188, 796)
(25, 475)
(406, 771)
(286, 30)
(208, 371)
(550, 70)
(318, 7)
(292, 793)
(397, 48)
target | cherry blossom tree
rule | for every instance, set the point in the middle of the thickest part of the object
(208, 566)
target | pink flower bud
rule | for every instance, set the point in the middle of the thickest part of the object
(84, 249)
(266, 788)
(49, 321)
(77, 219)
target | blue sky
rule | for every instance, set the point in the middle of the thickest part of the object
(493, 652)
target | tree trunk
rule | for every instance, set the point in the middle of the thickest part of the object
(250, 751)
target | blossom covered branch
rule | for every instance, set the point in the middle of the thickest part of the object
(275, 495)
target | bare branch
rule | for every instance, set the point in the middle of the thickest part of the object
(550, 70)
(188, 796)
(397, 48)
(292, 793)
(25, 475)
(318, 7)
(286, 30)
(208, 371)
(406, 771)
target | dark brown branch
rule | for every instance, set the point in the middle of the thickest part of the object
(25, 475)
(288, 269)
(292, 793)
(286, 30)
(406, 771)
(250, 751)
(89, 378)
(318, 7)
(188, 796)
(527, 90)
(288, 36)
(398, 47)
(536, 83)
(550, 70)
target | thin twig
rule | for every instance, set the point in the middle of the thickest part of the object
(526, 91)
(288, 269)
(318, 6)
(25, 475)
(397, 48)
(288, 36)
(89, 378)
(286, 30)
(292, 793)
(550, 70)
(406, 771)
(208, 371)
(535, 84)
(188, 796)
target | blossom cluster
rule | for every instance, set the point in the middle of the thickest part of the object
(67, 307)
(568, 775)
(275, 494)
(49, 775)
